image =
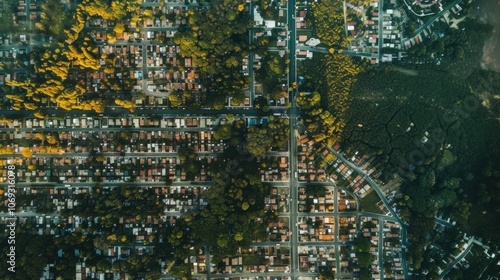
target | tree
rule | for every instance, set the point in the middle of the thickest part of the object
(326, 274)
(245, 206)
(175, 100)
(459, 53)
(192, 166)
(27, 152)
(101, 243)
(362, 244)
(100, 158)
(119, 28)
(260, 102)
(258, 141)
(186, 153)
(238, 236)
(222, 241)
(223, 132)
(103, 265)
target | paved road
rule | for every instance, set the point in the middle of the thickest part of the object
(443, 222)
(381, 249)
(432, 20)
(408, 6)
(379, 192)
(345, 52)
(293, 113)
(107, 129)
(118, 112)
(458, 259)
(292, 77)
(271, 274)
(130, 155)
(108, 184)
(140, 184)
(370, 181)
(380, 30)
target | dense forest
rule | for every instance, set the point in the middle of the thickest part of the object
(440, 133)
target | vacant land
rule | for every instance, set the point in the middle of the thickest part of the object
(369, 203)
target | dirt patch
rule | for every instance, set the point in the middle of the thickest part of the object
(489, 11)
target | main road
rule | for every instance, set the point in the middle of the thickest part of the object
(293, 183)
(119, 112)
(458, 259)
(380, 28)
(292, 77)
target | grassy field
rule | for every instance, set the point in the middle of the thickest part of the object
(369, 203)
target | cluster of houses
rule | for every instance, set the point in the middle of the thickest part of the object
(391, 29)
(388, 234)
(346, 201)
(279, 231)
(308, 159)
(181, 199)
(311, 258)
(347, 228)
(316, 202)
(317, 228)
(370, 229)
(365, 29)
(277, 200)
(26, 11)
(429, 32)
(159, 66)
(278, 169)
(355, 182)
(258, 259)
(392, 250)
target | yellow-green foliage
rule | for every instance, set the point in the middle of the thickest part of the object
(329, 22)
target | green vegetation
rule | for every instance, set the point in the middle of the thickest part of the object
(54, 20)
(269, 10)
(73, 47)
(258, 141)
(479, 264)
(454, 43)
(223, 132)
(273, 134)
(234, 216)
(328, 18)
(447, 159)
(369, 203)
(395, 113)
(273, 73)
(329, 78)
(249, 259)
(431, 129)
(326, 274)
(325, 112)
(362, 246)
(217, 45)
(6, 19)
(108, 205)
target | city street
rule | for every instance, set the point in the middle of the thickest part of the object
(293, 113)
